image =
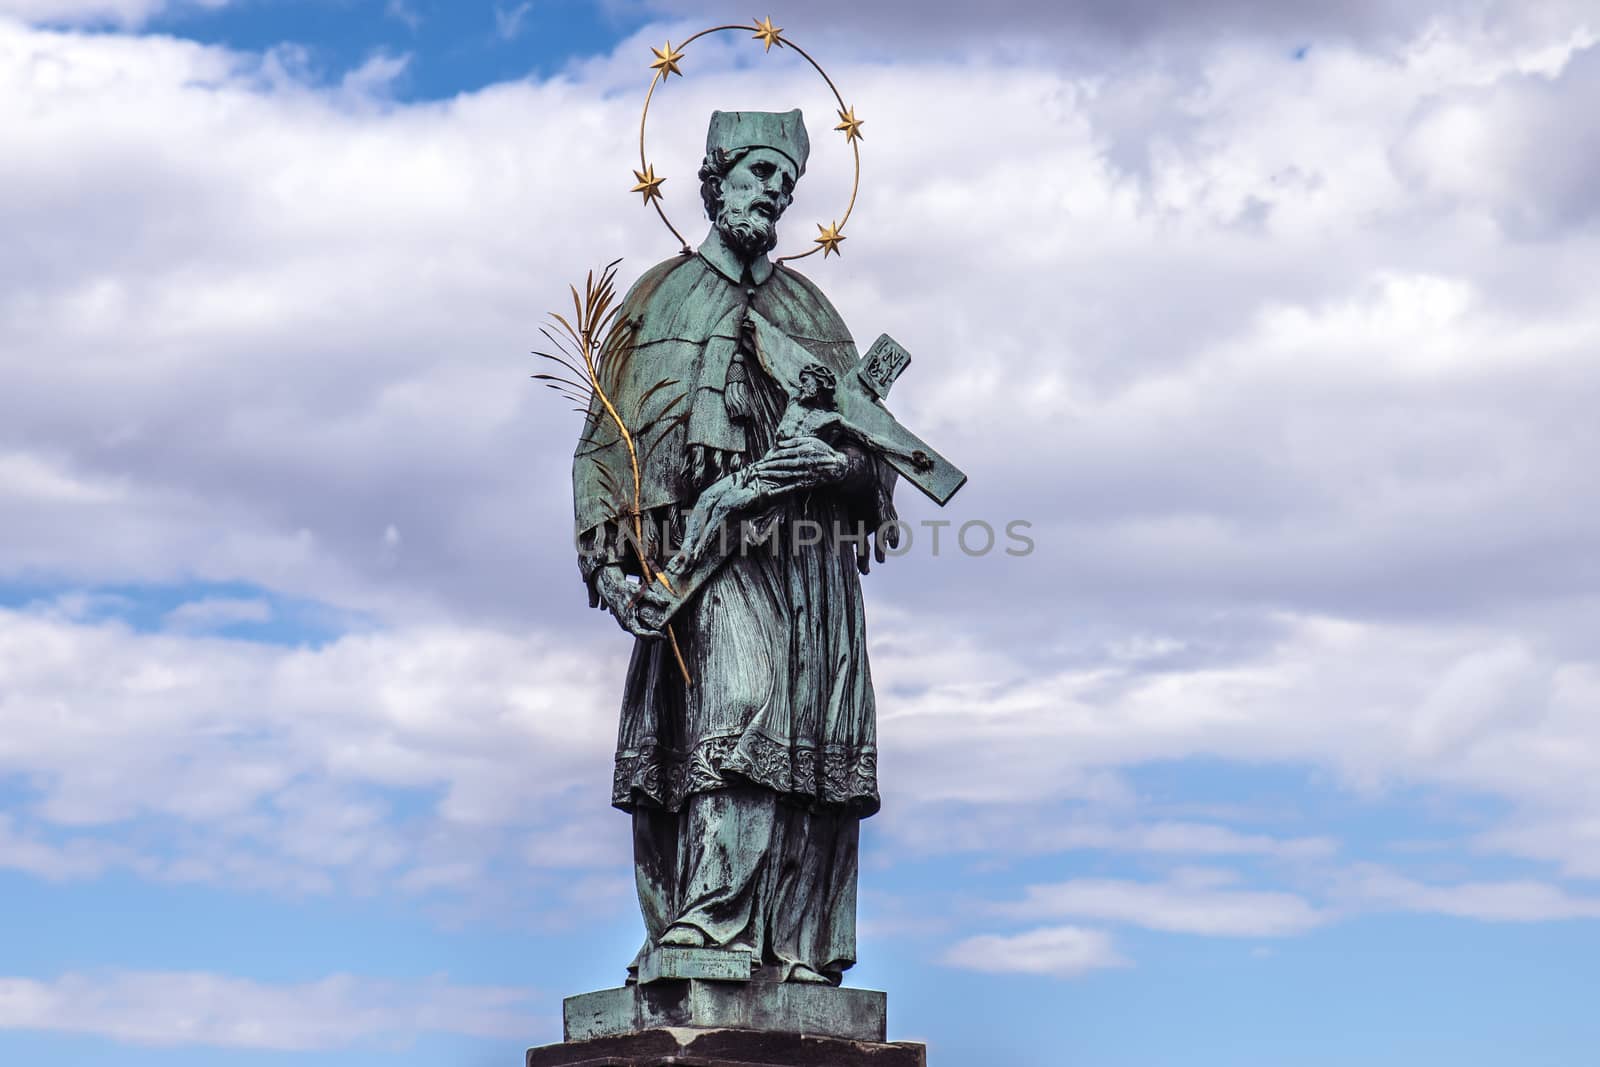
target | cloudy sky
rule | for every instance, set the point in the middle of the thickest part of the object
(1277, 323)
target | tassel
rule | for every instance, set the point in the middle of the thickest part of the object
(736, 389)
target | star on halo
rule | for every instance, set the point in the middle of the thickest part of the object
(829, 240)
(768, 33)
(649, 184)
(666, 61)
(850, 125)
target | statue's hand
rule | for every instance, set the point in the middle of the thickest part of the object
(650, 610)
(640, 610)
(802, 463)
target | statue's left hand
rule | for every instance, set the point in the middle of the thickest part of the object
(638, 609)
(803, 463)
(650, 608)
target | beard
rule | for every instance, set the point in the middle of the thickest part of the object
(749, 233)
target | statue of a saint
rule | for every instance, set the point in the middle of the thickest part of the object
(748, 773)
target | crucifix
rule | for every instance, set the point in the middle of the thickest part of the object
(853, 408)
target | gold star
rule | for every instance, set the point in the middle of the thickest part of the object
(767, 32)
(666, 61)
(830, 239)
(649, 184)
(850, 125)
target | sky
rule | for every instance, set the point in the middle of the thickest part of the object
(1274, 326)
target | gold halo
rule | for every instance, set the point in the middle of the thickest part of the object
(665, 64)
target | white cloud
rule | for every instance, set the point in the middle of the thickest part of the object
(25, 477)
(1523, 150)
(939, 829)
(280, 767)
(125, 13)
(1569, 838)
(1187, 905)
(375, 77)
(213, 613)
(1379, 705)
(1056, 951)
(1214, 903)
(171, 1009)
(42, 859)
(1374, 887)
(1239, 446)
(1066, 29)
(403, 12)
(508, 19)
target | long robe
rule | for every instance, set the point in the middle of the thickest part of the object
(747, 786)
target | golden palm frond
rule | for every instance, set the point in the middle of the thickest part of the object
(590, 351)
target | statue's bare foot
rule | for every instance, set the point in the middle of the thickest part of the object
(802, 973)
(684, 936)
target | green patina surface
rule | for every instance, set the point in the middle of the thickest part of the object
(755, 420)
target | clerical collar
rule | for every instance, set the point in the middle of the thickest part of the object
(715, 251)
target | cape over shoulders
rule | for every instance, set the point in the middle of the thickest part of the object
(685, 298)
(686, 316)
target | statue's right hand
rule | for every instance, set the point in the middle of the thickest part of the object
(638, 610)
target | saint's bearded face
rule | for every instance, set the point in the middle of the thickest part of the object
(755, 193)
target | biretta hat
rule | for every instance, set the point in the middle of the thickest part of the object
(783, 132)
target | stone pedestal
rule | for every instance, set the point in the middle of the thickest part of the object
(701, 1008)
(784, 1007)
(725, 1048)
(667, 962)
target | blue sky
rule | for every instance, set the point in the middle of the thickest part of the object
(453, 48)
(1279, 327)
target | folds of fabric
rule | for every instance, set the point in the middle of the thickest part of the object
(747, 870)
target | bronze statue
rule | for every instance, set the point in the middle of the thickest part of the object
(746, 784)
(733, 481)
